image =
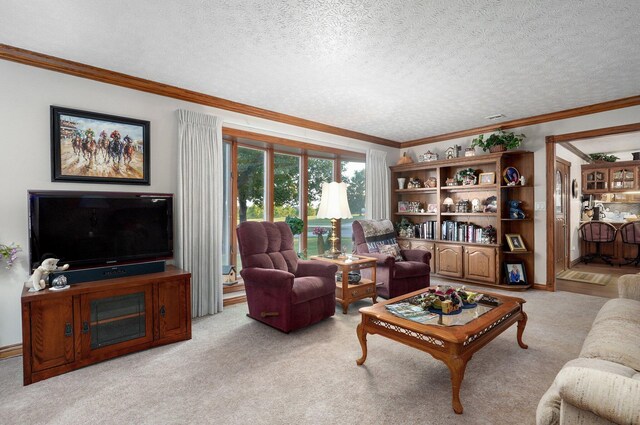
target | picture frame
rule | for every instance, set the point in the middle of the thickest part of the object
(511, 176)
(432, 208)
(487, 178)
(515, 242)
(515, 273)
(92, 147)
(403, 206)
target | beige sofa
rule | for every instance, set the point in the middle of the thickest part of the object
(602, 386)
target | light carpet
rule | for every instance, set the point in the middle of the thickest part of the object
(586, 277)
(238, 371)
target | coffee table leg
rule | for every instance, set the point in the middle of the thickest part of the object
(521, 325)
(456, 366)
(362, 337)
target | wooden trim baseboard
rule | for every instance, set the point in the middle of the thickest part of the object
(8, 351)
(234, 300)
(537, 119)
(542, 287)
(52, 63)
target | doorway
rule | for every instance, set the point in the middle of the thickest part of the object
(562, 213)
(550, 151)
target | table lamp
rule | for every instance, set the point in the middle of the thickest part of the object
(334, 205)
(447, 203)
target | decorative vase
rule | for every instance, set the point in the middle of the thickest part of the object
(497, 148)
(401, 181)
(320, 243)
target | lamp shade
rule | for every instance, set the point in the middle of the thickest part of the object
(448, 201)
(333, 202)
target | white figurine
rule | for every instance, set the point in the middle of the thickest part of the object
(37, 280)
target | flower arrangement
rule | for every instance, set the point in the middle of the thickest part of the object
(319, 231)
(9, 253)
(447, 298)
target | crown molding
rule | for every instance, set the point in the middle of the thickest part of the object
(52, 63)
(537, 119)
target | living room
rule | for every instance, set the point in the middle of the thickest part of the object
(242, 370)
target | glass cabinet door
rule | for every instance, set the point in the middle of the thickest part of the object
(596, 180)
(623, 179)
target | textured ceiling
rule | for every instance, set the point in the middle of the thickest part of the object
(613, 143)
(399, 69)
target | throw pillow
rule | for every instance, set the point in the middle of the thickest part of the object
(392, 249)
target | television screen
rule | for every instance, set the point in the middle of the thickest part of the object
(99, 228)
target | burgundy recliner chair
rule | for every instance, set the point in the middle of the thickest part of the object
(395, 278)
(282, 290)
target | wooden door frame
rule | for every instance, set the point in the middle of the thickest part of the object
(550, 148)
(567, 201)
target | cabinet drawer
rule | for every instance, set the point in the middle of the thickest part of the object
(361, 291)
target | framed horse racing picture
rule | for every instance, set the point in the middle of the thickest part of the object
(98, 148)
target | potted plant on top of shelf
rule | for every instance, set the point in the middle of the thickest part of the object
(603, 157)
(498, 141)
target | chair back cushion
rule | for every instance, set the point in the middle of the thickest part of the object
(598, 231)
(267, 245)
(368, 235)
(630, 232)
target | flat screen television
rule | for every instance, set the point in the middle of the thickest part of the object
(90, 229)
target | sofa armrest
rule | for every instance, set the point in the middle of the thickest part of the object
(273, 278)
(629, 286)
(384, 260)
(419, 255)
(316, 268)
(613, 397)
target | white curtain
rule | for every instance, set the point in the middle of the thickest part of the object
(377, 185)
(200, 208)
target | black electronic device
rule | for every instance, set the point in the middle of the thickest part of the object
(98, 229)
(109, 272)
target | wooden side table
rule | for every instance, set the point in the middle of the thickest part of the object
(348, 293)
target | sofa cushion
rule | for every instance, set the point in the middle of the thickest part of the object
(310, 287)
(410, 269)
(614, 335)
(620, 309)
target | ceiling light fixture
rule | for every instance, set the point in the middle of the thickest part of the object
(495, 117)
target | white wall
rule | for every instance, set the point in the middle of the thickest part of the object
(575, 204)
(25, 96)
(535, 142)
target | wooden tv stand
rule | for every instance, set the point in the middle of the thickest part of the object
(95, 321)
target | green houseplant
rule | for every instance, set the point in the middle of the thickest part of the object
(498, 141)
(603, 157)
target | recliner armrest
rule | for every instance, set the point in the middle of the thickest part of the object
(267, 277)
(629, 286)
(610, 396)
(419, 255)
(316, 268)
(382, 259)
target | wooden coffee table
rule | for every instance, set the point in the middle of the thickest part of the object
(347, 293)
(454, 345)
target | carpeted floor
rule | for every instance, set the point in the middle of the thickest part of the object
(238, 371)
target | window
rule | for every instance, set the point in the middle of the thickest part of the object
(269, 183)
(352, 173)
(319, 170)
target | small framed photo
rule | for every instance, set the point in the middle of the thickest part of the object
(487, 178)
(515, 242)
(97, 148)
(432, 208)
(515, 273)
(403, 206)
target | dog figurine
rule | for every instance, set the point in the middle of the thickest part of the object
(514, 209)
(37, 280)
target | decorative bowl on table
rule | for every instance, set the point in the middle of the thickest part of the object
(447, 299)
